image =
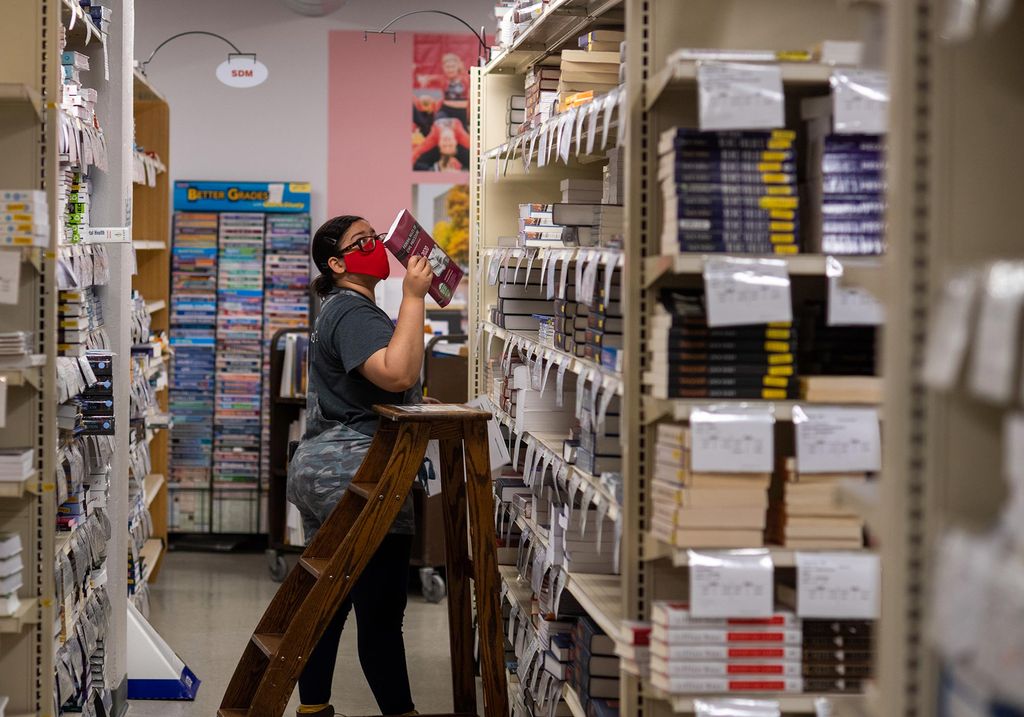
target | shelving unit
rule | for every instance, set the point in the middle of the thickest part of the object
(30, 136)
(658, 95)
(151, 238)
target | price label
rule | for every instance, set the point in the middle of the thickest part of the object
(850, 305)
(860, 101)
(837, 586)
(833, 439)
(746, 291)
(734, 583)
(733, 441)
(735, 95)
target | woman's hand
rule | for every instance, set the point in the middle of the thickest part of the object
(430, 399)
(417, 277)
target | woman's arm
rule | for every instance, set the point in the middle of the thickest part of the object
(396, 367)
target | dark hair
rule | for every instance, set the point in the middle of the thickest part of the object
(324, 246)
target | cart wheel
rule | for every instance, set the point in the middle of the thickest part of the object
(278, 566)
(434, 589)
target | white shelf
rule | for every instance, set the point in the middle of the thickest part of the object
(15, 95)
(679, 409)
(655, 549)
(573, 701)
(151, 486)
(683, 74)
(152, 551)
(17, 377)
(683, 704)
(658, 267)
(17, 489)
(153, 307)
(562, 21)
(24, 616)
(574, 364)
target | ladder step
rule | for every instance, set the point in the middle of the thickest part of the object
(363, 491)
(268, 642)
(314, 566)
(233, 712)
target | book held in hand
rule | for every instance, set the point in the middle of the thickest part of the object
(407, 238)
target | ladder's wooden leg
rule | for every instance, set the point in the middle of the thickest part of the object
(460, 609)
(488, 604)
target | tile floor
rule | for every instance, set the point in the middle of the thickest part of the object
(206, 605)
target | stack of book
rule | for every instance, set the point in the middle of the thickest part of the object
(804, 510)
(602, 40)
(582, 191)
(704, 510)
(520, 302)
(532, 412)
(588, 71)
(728, 191)
(837, 655)
(236, 437)
(99, 13)
(605, 327)
(594, 670)
(536, 227)
(598, 454)
(692, 360)
(24, 218)
(571, 320)
(589, 224)
(691, 655)
(16, 348)
(80, 316)
(845, 185)
(97, 403)
(11, 566)
(634, 648)
(193, 337)
(16, 464)
(593, 551)
(825, 350)
(613, 176)
(285, 296)
(541, 91)
(515, 116)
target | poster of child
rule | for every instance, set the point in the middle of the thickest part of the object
(440, 110)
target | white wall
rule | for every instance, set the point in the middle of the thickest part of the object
(277, 131)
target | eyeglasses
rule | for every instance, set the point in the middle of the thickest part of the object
(365, 244)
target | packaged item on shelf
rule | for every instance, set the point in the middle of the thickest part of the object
(588, 70)
(594, 669)
(16, 464)
(536, 226)
(602, 40)
(804, 510)
(692, 360)
(541, 90)
(24, 218)
(729, 191)
(515, 116)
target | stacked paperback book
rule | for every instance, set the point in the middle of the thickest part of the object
(16, 464)
(237, 411)
(589, 71)
(80, 316)
(521, 300)
(193, 337)
(593, 670)
(691, 655)
(541, 91)
(805, 512)
(24, 218)
(692, 360)
(825, 350)
(11, 566)
(729, 192)
(515, 116)
(537, 228)
(704, 510)
(16, 349)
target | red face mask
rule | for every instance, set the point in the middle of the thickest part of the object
(374, 264)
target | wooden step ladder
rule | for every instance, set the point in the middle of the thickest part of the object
(330, 565)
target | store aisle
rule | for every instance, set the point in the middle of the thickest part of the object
(206, 606)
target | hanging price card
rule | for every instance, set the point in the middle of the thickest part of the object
(746, 291)
(733, 440)
(740, 96)
(850, 305)
(731, 583)
(832, 439)
(837, 586)
(860, 101)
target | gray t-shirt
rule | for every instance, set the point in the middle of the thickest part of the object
(349, 329)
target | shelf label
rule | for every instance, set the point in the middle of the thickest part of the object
(736, 95)
(860, 101)
(10, 276)
(733, 583)
(850, 305)
(832, 439)
(837, 586)
(740, 292)
(733, 440)
(106, 235)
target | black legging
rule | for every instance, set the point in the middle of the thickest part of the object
(379, 597)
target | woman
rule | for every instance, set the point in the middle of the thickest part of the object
(357, 359)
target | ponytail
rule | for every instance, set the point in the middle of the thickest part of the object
(323, 284)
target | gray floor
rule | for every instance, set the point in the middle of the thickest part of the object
(206, 606)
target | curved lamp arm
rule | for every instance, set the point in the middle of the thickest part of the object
(142, 66)
(477, 35)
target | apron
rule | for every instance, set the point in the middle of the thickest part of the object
(324, 464)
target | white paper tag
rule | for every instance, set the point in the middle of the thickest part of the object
(998, 336)
(850, 305)
(564, 279)
(831, 439)
(563, 363)
(740, 96)
(593, 113)
(860, 101)
(10, 276)
(3, 401)
(580, 117)
(949, 332)
(499, 456)
(733, 440)
(839, 586)
(734, 583)
(741, 292)
(607, 107)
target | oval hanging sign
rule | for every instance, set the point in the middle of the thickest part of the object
(242, 71)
